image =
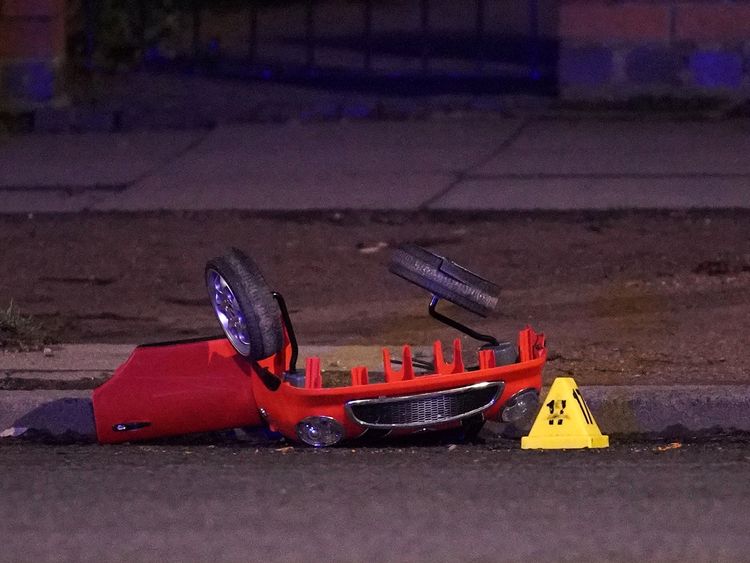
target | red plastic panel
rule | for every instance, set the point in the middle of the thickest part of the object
(173, 389)
(313, 376)
(441, 366)
(391, 374)
(531, 345)
(407, 366)
(360, 376)
(486, 359)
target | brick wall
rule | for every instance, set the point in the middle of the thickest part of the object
(32, 47)
(620, 49)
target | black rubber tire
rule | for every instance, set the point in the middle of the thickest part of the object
(255, 299)
(444, 278)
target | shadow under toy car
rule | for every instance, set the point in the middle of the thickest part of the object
(249, 377)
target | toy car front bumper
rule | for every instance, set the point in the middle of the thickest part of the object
(425, 409)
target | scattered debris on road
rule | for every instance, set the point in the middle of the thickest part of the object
(667, 447)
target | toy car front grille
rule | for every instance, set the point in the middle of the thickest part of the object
(425, 409)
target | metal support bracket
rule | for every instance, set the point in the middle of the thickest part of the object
(459, 326)
(289, 330)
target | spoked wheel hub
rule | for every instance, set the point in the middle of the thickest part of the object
(228, 311)
(244, 305)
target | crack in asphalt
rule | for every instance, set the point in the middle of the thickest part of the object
(465, 174)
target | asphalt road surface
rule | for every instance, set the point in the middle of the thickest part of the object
(434, 502)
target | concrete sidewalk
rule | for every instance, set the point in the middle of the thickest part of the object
(48, 395)
(447, 163)
(442, 163)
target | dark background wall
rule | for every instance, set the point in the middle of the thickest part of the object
(658, 47)
(575, 49)
(32, 51)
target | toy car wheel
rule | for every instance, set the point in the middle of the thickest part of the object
(244, 305)
(444, 278)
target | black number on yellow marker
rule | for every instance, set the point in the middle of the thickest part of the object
(559, 416)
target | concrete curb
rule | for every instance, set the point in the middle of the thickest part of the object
(55, 402)
(680, 410)
(676, 412)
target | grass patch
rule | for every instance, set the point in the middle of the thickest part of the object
(19, 332)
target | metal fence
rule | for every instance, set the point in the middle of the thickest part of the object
(356, 50)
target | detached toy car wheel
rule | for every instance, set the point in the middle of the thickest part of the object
(444, 278)
(244, 305)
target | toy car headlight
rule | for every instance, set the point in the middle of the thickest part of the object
(319, 431)
(520, 406)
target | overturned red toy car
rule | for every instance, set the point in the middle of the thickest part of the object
(250, 376)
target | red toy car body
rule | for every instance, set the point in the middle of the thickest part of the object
(172, 389)
(213, 384)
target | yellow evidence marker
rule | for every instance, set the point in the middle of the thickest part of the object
(564, 421)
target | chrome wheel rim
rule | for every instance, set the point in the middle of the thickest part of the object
(228, 312)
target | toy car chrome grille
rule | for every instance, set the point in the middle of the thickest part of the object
(425, 409)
